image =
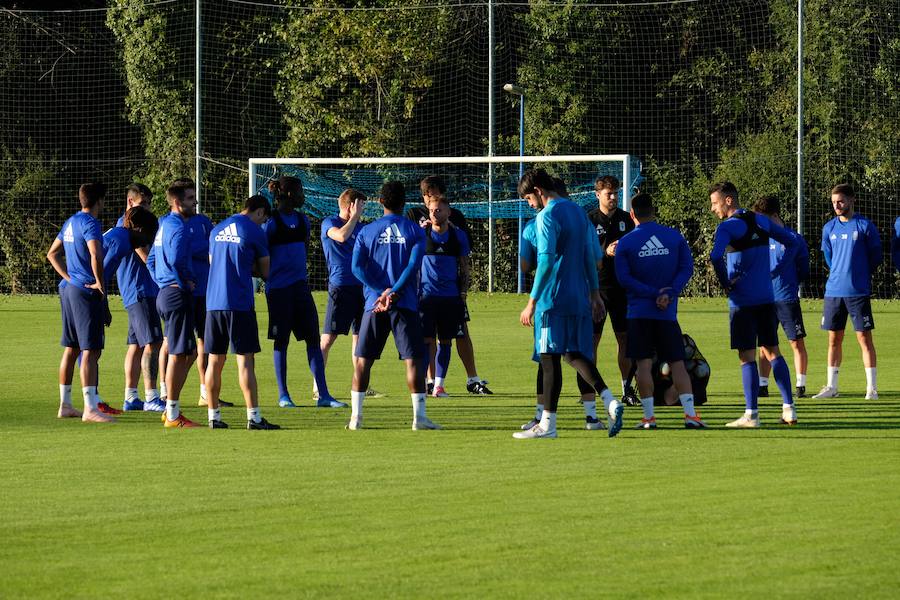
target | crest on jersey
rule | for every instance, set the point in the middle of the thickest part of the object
(621, 225)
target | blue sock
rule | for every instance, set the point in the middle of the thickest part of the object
(442, 362)
(317, 368)
(750, 376)
(783, 378)
(280, 358)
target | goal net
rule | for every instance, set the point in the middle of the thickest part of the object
(482, 188)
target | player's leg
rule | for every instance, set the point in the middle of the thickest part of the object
(552, 385)
(406, 325)
(373, 333)
(642, 340)
(539, 399)
(88, 312)
(834, 320)
(791, 317)
(88, 373)
(280, 307)
(133, 354)
(70, 354)
(306, 326)
(801, 363)
(765, 369)
(860, 310)
(244, 334)
(466, 352)
(149, 366)
(176, 306)
(442, 366)
(743, 328)
(644, 378)
(622, 357)
(767, 338)
(161, 368)
(213, 381)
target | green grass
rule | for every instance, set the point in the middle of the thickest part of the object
(133, 510)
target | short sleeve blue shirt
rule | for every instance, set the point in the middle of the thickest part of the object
(287, 260)
(199, 227)
(133, 277)
(116, 247)
(339, 255)
(171, 248)
(234, 246)
(76, 232)
(440, 272)
(852, 251)
(561, 233)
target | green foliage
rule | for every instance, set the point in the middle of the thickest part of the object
(160, 99)
(26, 229)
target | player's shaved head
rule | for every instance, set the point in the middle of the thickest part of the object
(90, 194)
(642, 206)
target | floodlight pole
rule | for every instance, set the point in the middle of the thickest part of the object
(490, 59)
(197, 147)
(800, 117)
(512, 88)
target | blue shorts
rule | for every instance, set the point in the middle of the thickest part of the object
(375, 328)
(292, 310)
(143, 323)
(444, 316)
(176, 307)
(561, 334)
(237, 327)
(649, 337)
(199, 315)
(82, 318)
(791, 317)
(753, 326)
(835, 311)
(345, 309)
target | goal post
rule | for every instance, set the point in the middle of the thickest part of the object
(482, 187)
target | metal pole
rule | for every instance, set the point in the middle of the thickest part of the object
(626, 183)
(800, 117)
(251, 186)
(490, 58)
(197, 147)
(519, 275)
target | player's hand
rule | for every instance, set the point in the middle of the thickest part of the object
(663, 299)
(191, 286)
(526, 317)
(95, 286)
(356, 208)
(611, 249)
(383, 302)
(107, 317)
(598, 308)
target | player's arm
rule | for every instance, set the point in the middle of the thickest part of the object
(182, 263)
(801, 259)
(895, 244)
(685, 269)
(55, 255)
(261, 267)
(342, 234)
(412, 269)
(465, 275)
(717, 257)
(261, 264)
(627, 278)
(826, 246)
(873, 246)
(95, 247)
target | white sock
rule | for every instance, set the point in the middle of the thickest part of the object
(763, 380)
(315, 387)
(214, 414)
(801, 379)
(438, 382)
(607, 398)
(624, 385)
(473, 379)
(150, 394)
(871, 382)
(203, 391)
(356, 404)
(254, 414)
(548, 421)
(786, 407)
(90, 396)
(538, 411)
(173, 409)
(751, 413)
(65, 395)
(418, 405)
(590, 408)
(687, 402)
(163, 392)
(833, 377)
(647, 405)
(131, 394)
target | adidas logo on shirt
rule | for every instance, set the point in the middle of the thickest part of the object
(157, 241)
(229, 234)
(69, 235)
(391, 235)
(653, 247)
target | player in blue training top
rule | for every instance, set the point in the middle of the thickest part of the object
(653, 264)
(895, 244)
(528, 261)
(291, 305)
(170, 264)
(740, 256)
(345, 292)
(386, 259)
(564, 298)
(432, 187)
(139, 292)
(444, 283)
(199, 227)
(852, 249)
(238, 251)
(77, 255)
(788, 270)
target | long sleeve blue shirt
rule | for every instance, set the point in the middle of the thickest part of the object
(172, 253)
(789, 268)
(852, 251)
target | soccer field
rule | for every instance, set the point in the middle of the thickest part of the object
(133, 510)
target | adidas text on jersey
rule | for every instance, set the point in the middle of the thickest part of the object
(653, 247)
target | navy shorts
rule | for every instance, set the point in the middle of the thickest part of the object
(649, 337)
(176, 307)
(790, 315)
(835, 311)
(143, 323)
(236, 328)
(616, 311)
(199, 316)
(444, 316)
(376, 327)
(82, 318)
(753, 326)
(345, 309)
(292, 310)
